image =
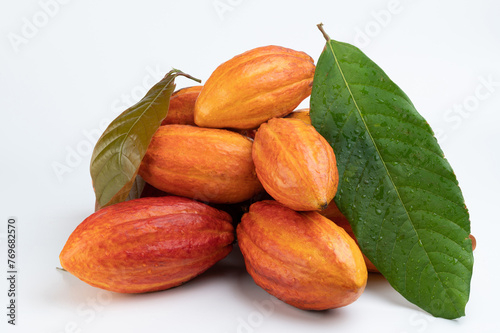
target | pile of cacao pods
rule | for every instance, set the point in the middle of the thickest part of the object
(238, 140)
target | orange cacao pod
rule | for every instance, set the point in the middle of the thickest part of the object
(205, 164)
(302, 258)
(295, 164)
(302, 114)
(181, 108)
(253, 87)
(147, 244)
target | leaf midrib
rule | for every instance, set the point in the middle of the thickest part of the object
(329, 43)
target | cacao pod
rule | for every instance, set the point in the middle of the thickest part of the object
(302, 114)
(206, 164)
(253, 87)
(147, 244)
(302, 258)
(181, 108)
(295, 164)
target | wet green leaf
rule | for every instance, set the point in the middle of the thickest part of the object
(395, 185)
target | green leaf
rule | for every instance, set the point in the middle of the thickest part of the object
(395, 186)
(119, 151)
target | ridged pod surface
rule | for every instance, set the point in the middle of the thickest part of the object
(253, 87)
(295, 164)
(206, 164)
(181, 108)
(147, 244)
(302, 258)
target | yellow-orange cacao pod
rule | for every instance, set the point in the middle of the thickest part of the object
(253, 87)
(301, 258)
(295, 164)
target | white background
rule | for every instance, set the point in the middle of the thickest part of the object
(68, 67)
